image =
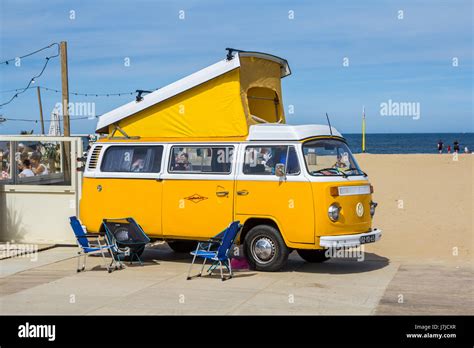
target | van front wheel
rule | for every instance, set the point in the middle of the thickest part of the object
(313, 256)
(265, 249)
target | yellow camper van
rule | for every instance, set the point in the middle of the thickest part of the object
(214, 147)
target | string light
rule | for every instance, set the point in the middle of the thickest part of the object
(7, 62)
(89, 94)
(19, 91)
(32, 80)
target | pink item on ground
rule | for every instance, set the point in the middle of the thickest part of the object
(239, 263)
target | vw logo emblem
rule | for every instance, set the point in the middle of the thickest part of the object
(360, 209)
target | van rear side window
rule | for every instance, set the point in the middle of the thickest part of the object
(132, 159)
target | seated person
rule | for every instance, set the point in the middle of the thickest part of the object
(258, 161)
(138, 165)
(341, 163)
(26, 169)
(266, 156)
(21, 157)
(181, 162)
(4, 171)
(280, 154)
(4, 175)
(37, 167)
(22, 153)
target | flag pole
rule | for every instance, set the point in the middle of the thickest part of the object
(363, 129)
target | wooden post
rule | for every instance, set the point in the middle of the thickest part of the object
(40, 109)
(65, 103)
(65, 88)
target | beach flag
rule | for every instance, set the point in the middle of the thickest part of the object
(363, 129)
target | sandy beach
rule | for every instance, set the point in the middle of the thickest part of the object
(425, 211)
(425, 206)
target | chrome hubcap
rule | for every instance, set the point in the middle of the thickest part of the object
(263, 249)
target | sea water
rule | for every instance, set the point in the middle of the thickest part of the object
(409, 143)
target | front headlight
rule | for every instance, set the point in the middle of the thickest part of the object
(333, 212)
(373, 205)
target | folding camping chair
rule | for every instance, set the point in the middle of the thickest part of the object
(87, 248)
(128, 237)
(220, 256)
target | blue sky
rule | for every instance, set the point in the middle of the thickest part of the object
(403, 60)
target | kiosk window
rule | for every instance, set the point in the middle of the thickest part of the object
(201, 159)
(132, 159)
(5, 162)
(34, 163)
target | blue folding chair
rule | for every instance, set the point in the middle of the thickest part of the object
(87, 248)
(220, 256)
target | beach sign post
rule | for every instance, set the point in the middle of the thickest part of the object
(363, 129)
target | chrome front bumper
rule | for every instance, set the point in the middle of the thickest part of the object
(348, 240)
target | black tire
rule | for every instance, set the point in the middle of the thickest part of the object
(272, 254)
(313, 256)
(182, 246)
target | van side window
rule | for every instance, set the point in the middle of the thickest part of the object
(132, 159)
(262, 160)
(201, 159)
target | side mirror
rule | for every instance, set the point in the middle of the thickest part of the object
(280, 170)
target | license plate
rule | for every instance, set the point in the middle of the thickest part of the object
(367, 239)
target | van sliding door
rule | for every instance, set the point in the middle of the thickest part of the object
(198, 191)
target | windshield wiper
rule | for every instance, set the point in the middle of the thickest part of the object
(344, 175)
(329, 169)
(360, 170)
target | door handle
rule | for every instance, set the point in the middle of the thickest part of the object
(243, 193)
(222, 193)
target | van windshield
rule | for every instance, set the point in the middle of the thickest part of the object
(330, 157)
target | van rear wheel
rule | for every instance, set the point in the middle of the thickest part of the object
(313, 256)
(265, 249)
(182, 246)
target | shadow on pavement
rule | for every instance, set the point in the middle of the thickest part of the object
(371, 262)
(153, 256)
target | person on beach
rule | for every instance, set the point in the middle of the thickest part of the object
(466, 150)
(456, 146)
(440, 146)
(449, 148)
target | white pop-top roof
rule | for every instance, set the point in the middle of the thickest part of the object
(184, 84)
(272, 131)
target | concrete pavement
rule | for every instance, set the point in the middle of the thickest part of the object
(339, 286)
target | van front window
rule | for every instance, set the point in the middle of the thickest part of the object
(330, 157)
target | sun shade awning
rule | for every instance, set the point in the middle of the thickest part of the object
(222, 100)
